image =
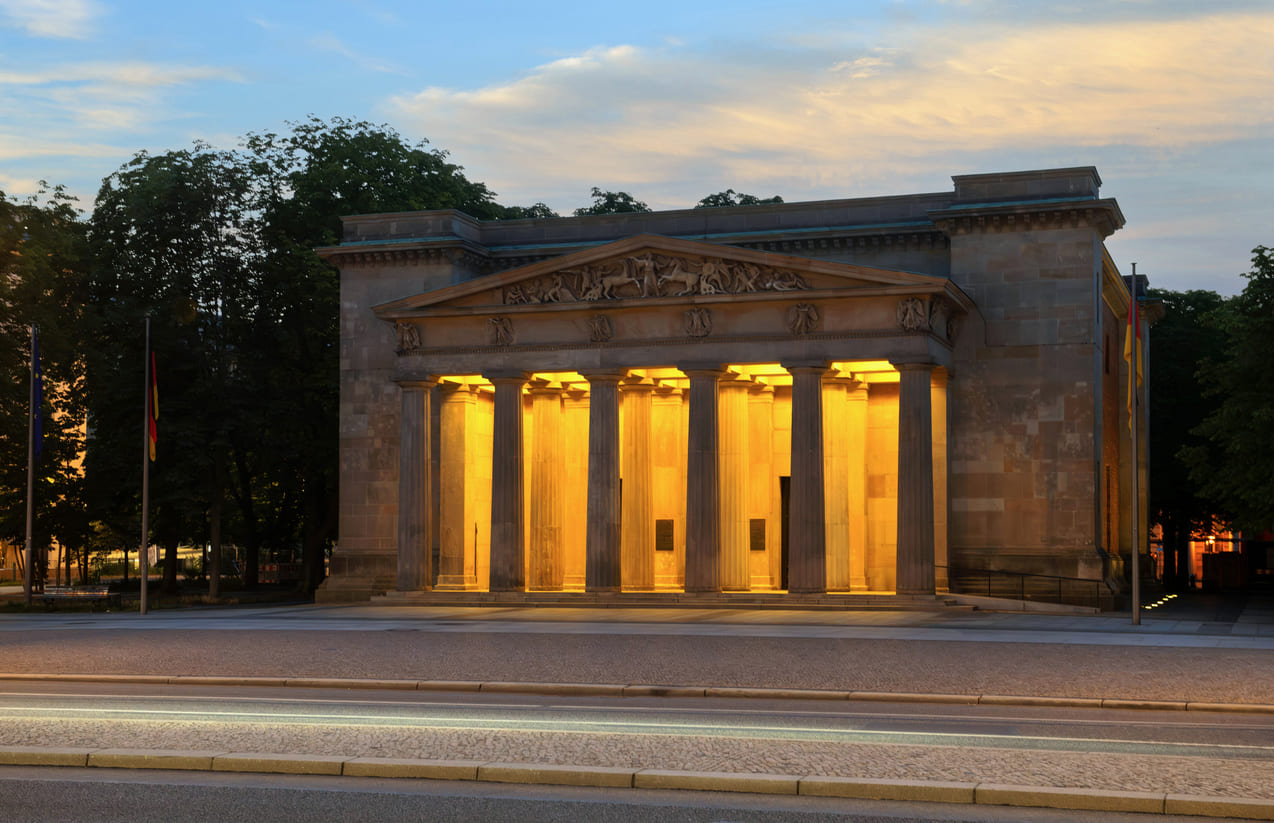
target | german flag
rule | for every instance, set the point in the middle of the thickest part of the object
(152, 399)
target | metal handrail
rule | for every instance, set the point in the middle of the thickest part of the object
(1042, 588)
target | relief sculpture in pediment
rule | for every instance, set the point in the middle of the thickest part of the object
(652, 275)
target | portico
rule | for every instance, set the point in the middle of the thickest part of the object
(754, 434)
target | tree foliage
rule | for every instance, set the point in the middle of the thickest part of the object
(1236, 474)
(42, 251)
(612, 202)
(730, 198)
(1182, 345)
(175, 238)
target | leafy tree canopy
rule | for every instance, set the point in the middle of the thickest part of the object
(42, 253)
(612, 202)
(1182, 345)
(730, 198)
(1236, 474)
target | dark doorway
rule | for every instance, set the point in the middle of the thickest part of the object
(785, 498)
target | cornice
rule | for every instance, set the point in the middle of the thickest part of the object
(1102, 215)
(489, 260)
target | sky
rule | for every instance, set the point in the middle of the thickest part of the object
(1171, 100)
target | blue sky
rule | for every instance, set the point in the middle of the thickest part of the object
(1172, 101)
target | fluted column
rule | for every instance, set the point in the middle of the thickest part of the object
(637, 538)
(602, 547)
(807, 561)
(856, 459)
(733, 443)
(547, 469)
(915, 480)
(938, 399)
(836, 482)
(575, 500)
(415, 497)
(703, 493)
(508, 536)
(457, 545)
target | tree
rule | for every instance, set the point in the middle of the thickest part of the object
(1236, 476)
(310, 177)
(612, 202)
(526, 212)
(174, 238)
(1182, 345)
(729, 198)
(42, 254)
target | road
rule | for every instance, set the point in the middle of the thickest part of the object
(185, 711)
(879, 664)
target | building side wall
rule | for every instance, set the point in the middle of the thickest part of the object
(365, 560)
(1024, 448)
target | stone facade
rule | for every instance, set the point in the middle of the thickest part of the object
(845, 396)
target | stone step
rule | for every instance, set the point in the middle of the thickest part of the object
(713, 600)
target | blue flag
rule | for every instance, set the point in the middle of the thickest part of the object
(37, 380)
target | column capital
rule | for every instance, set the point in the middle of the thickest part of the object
(539, 385)
(507, 376)
(417, 383)
(603, 375)
(701, 369)
(806, 366)
(913, 365)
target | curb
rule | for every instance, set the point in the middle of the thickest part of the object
(652, 690)
(982, 794)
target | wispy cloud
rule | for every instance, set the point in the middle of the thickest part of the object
(74, 98)
(833, 116)
(70, 19)
(331, 43)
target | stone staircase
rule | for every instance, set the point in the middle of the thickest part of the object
(874, 601)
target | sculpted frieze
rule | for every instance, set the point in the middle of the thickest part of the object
(652, 275)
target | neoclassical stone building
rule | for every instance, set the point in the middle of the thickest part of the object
(839, 396)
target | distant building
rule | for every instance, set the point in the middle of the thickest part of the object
(838, 396)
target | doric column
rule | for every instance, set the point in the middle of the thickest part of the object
(602, 549)
(703, 493)
(457, 545)
(836, 482)
(547, 469)
(807, 560)
(415, 497)
(637, 538)
(856, 459)
(763, 484)
(733, 444)
(938, 401)
(669, 458)
(915, 480)
(575, 448)
(508, 535)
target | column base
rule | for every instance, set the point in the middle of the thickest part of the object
(456, 583)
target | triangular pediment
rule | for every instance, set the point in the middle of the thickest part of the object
(650, 266)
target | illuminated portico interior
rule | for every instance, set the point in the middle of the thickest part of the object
(796, 399)
(754, 412)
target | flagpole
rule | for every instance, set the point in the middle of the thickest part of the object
(145, 550)
(31, 412)
(1134, 329)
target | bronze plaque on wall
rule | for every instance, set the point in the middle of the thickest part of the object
(756, 530)
(663, 536)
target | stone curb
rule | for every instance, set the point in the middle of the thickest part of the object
(985, 794)
(652, 690)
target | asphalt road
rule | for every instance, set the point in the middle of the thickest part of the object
(186, 710)
(34, 795)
